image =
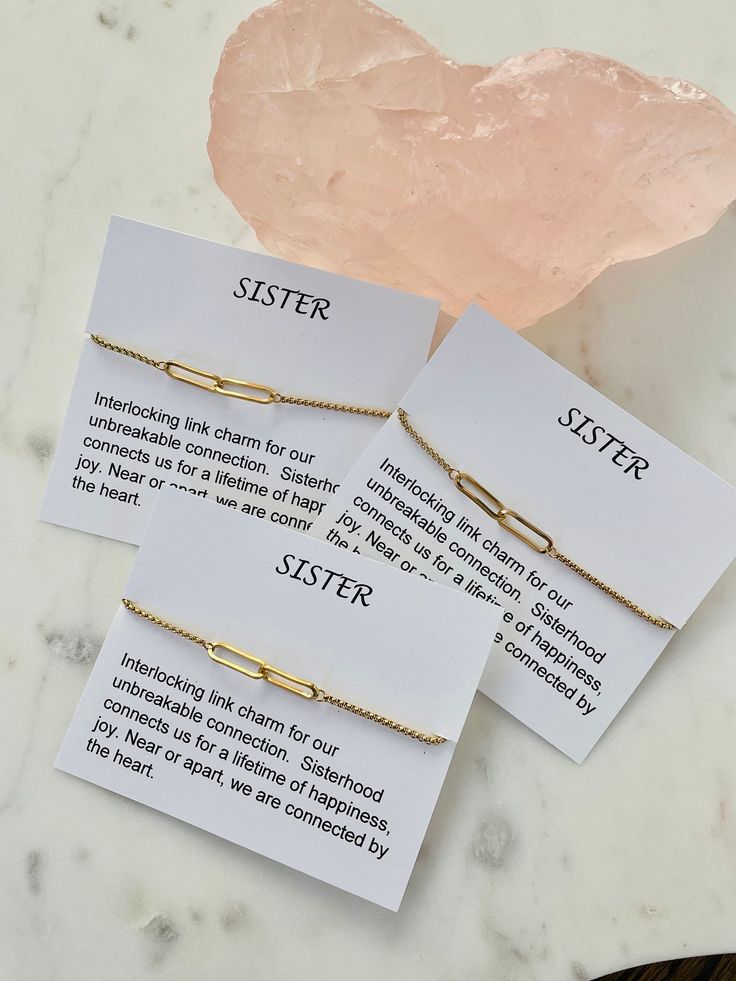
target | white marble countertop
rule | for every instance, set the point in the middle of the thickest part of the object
(533, 868)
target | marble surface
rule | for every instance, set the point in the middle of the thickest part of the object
(534, 869)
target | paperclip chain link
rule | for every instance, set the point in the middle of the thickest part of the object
(281, 679)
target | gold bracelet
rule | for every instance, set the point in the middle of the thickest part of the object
(275, 676)
(234, 388)
(520, 526)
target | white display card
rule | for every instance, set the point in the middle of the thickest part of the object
(619, 500)
(323, 790)
(131, 429)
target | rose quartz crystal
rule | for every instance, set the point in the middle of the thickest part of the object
(348, 142)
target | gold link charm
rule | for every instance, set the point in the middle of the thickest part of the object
(265, 672)
(240, 668)
(506, 517)
(234, 388)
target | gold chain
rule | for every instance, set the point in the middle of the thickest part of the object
(336, 406)
(429, 450)
(521, 527)
(256, 668)
(610, 591)
(234, 388)
(152, 618)
(127, 351)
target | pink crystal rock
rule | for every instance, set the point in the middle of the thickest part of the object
(349, 142)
